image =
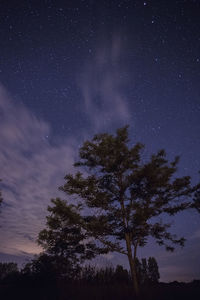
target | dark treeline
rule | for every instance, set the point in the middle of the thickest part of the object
(46, 267)
(41, 279)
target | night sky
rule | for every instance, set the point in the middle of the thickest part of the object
(70, 69)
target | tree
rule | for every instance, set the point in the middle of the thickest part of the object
(63, 240)
(42, 266)
(144, 272)
(125, 194)
(153, 272)
(8, 270)
(147, 271)
(121, 274)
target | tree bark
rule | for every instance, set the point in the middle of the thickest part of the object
(132, 265)
(131, 259)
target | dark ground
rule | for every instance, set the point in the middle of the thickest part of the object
(51, 291)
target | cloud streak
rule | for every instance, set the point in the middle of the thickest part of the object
(31, 170)
(102, 86)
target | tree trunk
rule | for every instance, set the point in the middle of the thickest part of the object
(132, 266)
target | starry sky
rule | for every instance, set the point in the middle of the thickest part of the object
(70, 69)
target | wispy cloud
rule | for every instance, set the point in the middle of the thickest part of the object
(31, 170)
(102, 85)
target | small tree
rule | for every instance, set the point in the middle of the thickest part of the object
(64, 240)
(121, 274)
(88, 274)
(147, 271)
(153, 272)
(42, 266)
(8, 270)
(144, 272)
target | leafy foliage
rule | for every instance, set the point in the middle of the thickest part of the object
(64, 240)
